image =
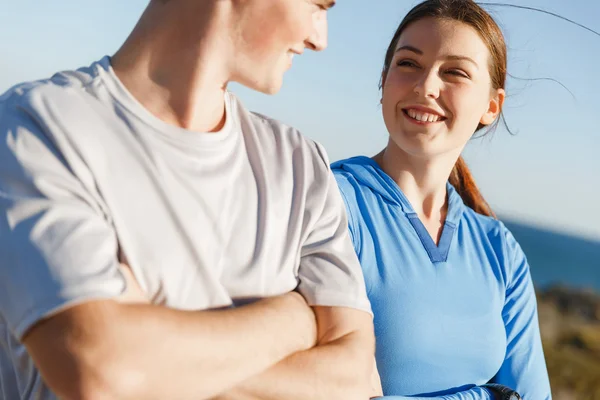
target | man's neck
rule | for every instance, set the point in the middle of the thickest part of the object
(177, 72)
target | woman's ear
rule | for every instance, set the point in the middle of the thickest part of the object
(494, 107)
(383, 79)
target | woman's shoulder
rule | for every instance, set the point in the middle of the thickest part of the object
(493, 227)
(347, 174)
(485, 223)
(506, 247)
(350, 166)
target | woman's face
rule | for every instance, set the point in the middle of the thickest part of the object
(438, 88)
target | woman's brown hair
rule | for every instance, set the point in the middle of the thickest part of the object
(470, 13)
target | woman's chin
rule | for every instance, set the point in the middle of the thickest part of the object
(417, 145)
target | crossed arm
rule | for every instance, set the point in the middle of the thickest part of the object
(340, 366)
(268, 350)
(52, 226)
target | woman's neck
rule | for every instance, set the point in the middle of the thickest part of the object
(423, 181)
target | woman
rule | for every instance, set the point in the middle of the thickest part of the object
(450, 287)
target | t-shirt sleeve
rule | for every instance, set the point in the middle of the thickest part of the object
(57, 248)
(345, 188)
(330, 273)
(524, 366)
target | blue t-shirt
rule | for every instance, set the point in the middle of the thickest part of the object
(448, 317)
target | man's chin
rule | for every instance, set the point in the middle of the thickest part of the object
(268, 87)
(271, 88)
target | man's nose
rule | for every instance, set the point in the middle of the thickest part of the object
(318, 40)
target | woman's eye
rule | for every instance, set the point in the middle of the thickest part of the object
(406, 63)
(458, 72)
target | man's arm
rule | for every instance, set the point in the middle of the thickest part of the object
(339, 367)
(331, 281)
(60, 285)
(107, 350)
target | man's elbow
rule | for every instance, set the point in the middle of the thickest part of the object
(352, 333)
(80, 387)
(72, 377)
(356, 389)
(359, 367)
(76, 356)
(352, 387)
(107, 378)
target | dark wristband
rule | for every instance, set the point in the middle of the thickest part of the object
(502, 392)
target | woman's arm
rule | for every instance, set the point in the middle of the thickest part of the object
(476, 393)
(524, 366)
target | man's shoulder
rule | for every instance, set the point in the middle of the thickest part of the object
(282, 137)
(43, 115)
(24, 107)
(63, 89)
(280, 130)
(23, 97)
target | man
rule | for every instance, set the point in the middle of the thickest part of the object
(143, 169)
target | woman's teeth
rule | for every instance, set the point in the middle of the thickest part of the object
(423, 117)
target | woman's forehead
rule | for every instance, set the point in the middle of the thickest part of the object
(443, 36)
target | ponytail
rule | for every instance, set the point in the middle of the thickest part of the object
(463, 182)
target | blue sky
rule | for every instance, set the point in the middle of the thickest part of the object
(548, 174)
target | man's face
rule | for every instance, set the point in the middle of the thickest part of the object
(270, 33)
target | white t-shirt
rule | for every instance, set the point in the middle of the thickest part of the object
(205, 220)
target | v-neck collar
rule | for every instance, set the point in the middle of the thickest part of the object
(437, 253)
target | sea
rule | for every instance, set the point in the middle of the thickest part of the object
(558, 259)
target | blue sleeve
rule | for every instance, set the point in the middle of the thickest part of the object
(524, 366)
(476, 393)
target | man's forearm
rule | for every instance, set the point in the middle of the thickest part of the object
(153, 352)
(341, 368)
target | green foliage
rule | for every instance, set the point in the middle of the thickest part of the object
(571, 338)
